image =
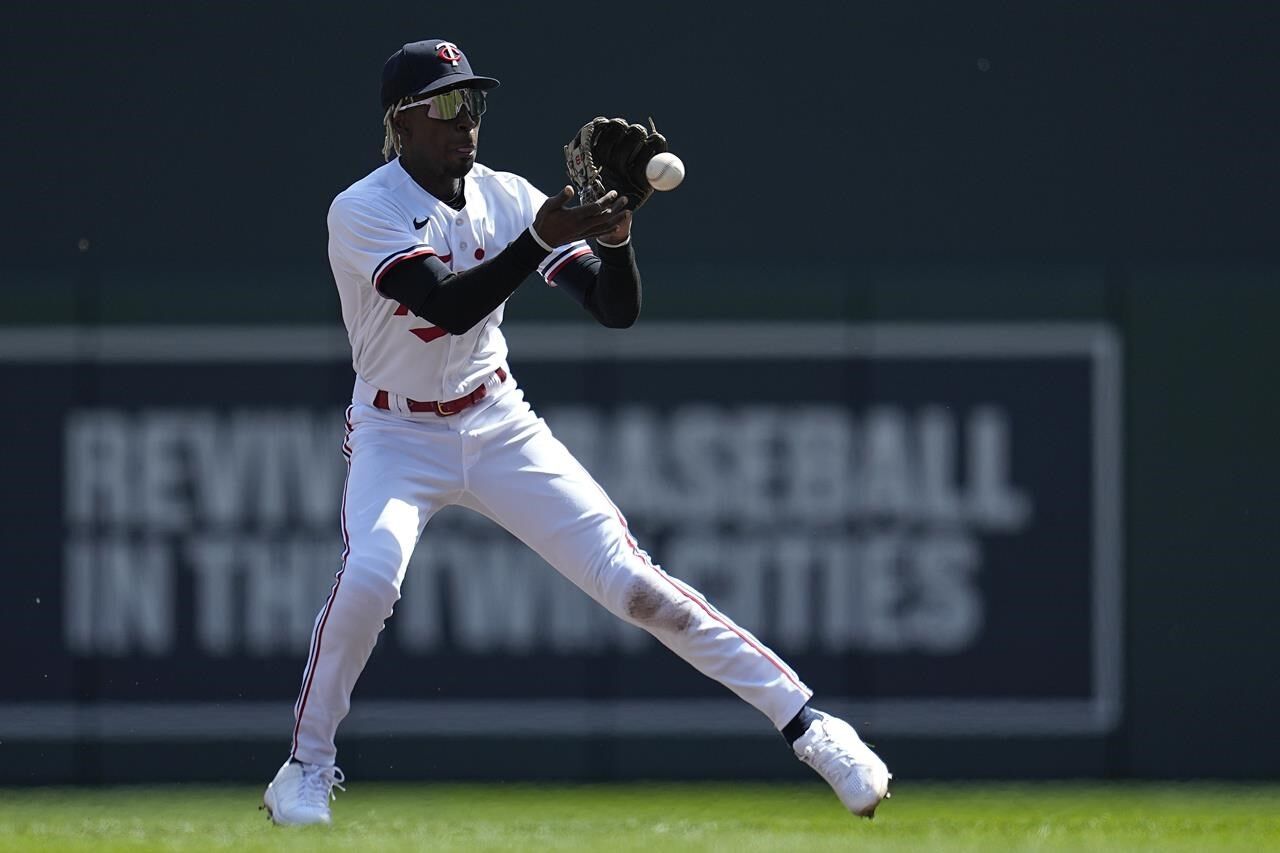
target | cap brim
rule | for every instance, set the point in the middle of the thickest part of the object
(457, 81)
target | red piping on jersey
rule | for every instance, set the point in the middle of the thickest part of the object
(425, 250)
(701, 602)
(579, 252)
(313, 661)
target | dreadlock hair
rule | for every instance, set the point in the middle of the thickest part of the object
(390, 136)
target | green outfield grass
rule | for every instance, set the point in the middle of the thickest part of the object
(738, 818)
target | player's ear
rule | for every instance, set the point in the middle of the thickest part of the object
(401, 126)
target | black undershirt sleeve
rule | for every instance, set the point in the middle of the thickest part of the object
(608, 286)
(458, 301)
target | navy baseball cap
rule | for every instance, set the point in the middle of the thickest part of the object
(423, 67)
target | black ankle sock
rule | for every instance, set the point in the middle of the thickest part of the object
(799, 724)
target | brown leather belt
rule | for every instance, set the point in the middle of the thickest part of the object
(443, 408)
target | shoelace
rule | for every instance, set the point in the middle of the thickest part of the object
(318, 784)
(828, 761)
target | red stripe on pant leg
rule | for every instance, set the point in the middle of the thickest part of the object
(313, 664)
(320, 618)
(346, 548)
(787, 671)
(704, 605)
(309, 674)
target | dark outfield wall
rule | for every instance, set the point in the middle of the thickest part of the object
(221, 130)
(1072, 163)
(223, 607)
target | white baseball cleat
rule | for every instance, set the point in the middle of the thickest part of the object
(300, 794)
(858, 776)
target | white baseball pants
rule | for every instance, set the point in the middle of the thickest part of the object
(500, 459)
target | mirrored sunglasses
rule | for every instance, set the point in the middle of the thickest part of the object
(447, 105)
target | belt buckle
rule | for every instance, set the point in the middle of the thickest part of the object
(440, 409)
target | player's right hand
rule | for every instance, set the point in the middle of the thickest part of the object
(558, 225)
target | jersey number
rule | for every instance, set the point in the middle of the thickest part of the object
(429, 333)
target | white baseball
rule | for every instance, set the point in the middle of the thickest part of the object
(665, 171)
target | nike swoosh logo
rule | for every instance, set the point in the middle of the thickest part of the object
(421, 223)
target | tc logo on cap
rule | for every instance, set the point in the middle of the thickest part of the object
(448, 51)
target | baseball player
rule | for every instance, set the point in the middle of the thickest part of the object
(425, 251)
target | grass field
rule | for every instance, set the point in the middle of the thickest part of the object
(738, 818)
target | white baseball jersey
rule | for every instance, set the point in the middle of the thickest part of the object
(386, 218)
(496, 457)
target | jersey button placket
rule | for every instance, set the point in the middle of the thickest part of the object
(461, 229)
(461, 224)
